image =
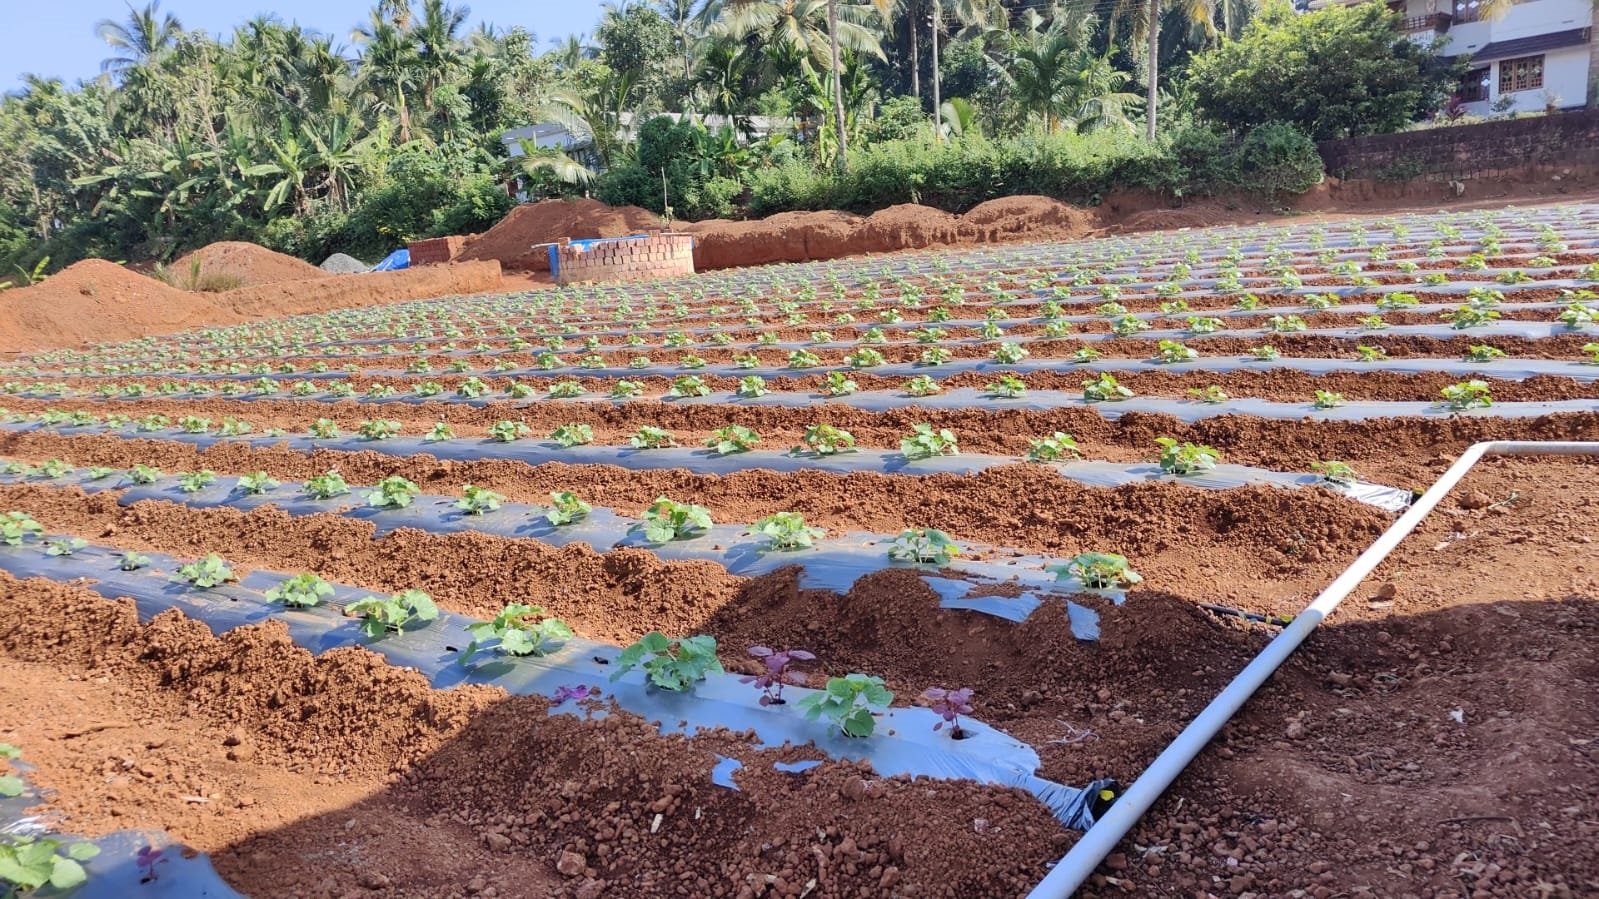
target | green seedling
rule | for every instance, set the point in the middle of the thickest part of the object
(751, 386)
(519, 630)
(1008, 353)
(825, 440)
(1057, 447)
(143, 474)
(383, 615)
(195, 481)
(837, 384)
(1185, 458)
(922, 385)
(29, 863)
(1097, 571)
(326, 486)
(732, 439)
(1006, 387)
(626, 390)
(572, 434)
(1465, 395)
(478, 500)
(1371, 353)
(205, 573)
(688, 386)
(1482, 352)
(1168, 351)
(1332, 471)
(648, 437)
(64, 546)
(1104, 388)
(1267, 353)
(1211, 394)
(324, 428)
(1086, 354)
(132, 561)
(301, 591)
(392, 492)
(666, 520)
(565, 508)
(565, 390)
(848, 703)
(927, 546)
(670, 664)
(785, 531)
(509, 431)
(1327, 399)
(439, 432)
(925, 443)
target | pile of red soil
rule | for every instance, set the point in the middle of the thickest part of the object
(512, 240)
(249, 263)
(803, 236)
(97, 301)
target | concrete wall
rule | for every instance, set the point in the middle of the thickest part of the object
(1563, 140)
(653, 257)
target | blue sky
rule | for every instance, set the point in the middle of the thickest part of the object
(56, 38)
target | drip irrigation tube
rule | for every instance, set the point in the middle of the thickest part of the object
(1076, 866)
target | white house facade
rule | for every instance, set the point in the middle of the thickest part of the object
(1525, 57)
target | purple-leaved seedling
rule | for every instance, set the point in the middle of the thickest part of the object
(562, 694)
(146, 860)
(950, 705)
(770, 682)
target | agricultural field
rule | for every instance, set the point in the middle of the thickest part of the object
(871, 577)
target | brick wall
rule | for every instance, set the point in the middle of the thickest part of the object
(652, 257)
(1561, 140)
(435, 251)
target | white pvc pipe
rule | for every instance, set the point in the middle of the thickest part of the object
(1076, 866)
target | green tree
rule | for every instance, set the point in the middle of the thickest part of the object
(144, 36)
(1336, 72)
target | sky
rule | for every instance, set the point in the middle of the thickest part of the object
(55, 38)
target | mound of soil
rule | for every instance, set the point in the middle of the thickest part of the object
(804, 236)
(97, 301)
(511, 241)
(250, 263)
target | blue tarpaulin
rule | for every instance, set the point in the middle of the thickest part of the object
(395, 260)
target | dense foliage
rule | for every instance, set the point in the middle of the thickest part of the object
(274, 134)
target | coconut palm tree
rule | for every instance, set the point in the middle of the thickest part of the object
(388, 66)
(438, 45)
(146, 35)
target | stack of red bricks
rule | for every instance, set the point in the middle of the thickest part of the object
(648, 258)
(435, 251)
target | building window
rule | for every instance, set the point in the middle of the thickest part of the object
(1474, 85)
(1523, 74)
(1470, 11)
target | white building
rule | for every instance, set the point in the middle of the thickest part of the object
(1538, 53)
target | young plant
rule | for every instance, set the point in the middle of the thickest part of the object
(1592, 349)
(649, 437)
(865, 357)
(925, 443)
(64, 546)
(666, 520)
(519, 630)
(1267, 353)
(324, 428)
(837, 384)
(825, 440)
(565, 508)
(572, 434)
(934, 356)
(751, 386)
(803, 359)
(565, 390)
(478, 500)
(1009, 353)
(1211, 394)
(301, 591)
(1285, 323)
(392, 492)
(1086, 354)
(205, 573)
(1469, 316)
(1168, 351)
(142, 474)
(1097, 571)
(1466, 395)
(772, 680)
(623, 390)
(327, 486)
(509, 431)
(732, 439)
(1057, 447)
(1104, 388)
(195, 481)
(1185, 458)
(675, 665)
(785, 531)
(380, 615)
(949, 705)
(927, 546)
(29, 863)
(1334, 472)
(132, 561)
(1128, 325)
(847, 703)
(687, 386)
(1327, 399)
(1482, 352)
(1371, 353)
(1006, 387)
